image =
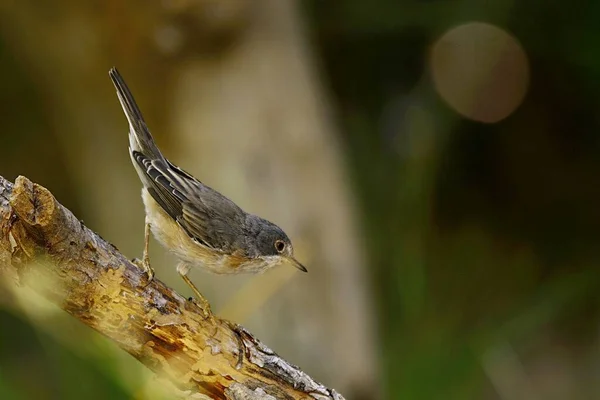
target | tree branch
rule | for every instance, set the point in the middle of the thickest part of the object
(45, 247)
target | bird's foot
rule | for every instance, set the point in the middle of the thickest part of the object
(145, 265)
(199, 300)
(204, 307)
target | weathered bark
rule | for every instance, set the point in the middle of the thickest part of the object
(44, 246)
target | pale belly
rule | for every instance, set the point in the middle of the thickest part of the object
(193, 254)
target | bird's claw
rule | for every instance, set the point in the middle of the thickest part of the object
(145, 265)
(204, 307)
(148, 269)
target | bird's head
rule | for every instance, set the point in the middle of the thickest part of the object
(272, 244)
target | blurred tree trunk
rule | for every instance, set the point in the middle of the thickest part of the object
(247, 115)
(261, 131)
(63, 49)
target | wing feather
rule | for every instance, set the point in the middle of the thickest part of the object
(207, 216)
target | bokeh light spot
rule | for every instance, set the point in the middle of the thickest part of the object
(480, 70)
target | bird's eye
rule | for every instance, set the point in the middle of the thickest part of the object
(279, 246)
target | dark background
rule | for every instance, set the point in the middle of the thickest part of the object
(482, 238)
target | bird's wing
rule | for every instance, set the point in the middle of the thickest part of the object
(206, 216)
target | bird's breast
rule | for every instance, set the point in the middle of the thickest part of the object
(172, 236)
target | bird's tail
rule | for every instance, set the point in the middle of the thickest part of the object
(140, 138)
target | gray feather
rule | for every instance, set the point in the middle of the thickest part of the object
(140, 138)
(207, 216)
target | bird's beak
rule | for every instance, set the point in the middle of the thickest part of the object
(296, 264)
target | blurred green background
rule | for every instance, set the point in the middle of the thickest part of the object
(438, 176)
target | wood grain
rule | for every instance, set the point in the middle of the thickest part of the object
(44, 246)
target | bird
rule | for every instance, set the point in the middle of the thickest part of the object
(200, 226)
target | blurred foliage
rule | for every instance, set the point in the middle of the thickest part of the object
(478, 235)
(35, 366)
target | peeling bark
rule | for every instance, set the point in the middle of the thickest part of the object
(45, 247)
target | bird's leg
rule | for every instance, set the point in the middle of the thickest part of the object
(146, 257)
(145, 262)
(200, 299)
